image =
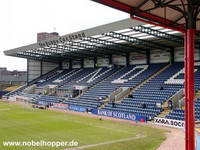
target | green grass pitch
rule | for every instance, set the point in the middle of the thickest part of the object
(18, 123)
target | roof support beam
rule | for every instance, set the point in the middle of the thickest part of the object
(141, 4)
(159, 34)
(142, 16)
(60, 51)
(163, 35)
(67, 51)
(136, 40)
(91, 47)
(59, 55)
(87, 52)
(107, 46)
(44, 55)
(119, 47)
(35, 58)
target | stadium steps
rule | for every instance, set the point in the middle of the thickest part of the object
(43, 76)
(130, 92)
(30, 89)
(8, 87)
(138, 86)
(17, 90)
(165, 106)
(164, 113)
(31, 82)
(106, 78)
(151, 77)
(124, 96)
(166, 110)
(177, 96)
(105, 102)
(93, 86)
(197, 94)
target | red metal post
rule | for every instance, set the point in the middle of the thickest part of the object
(189, 90)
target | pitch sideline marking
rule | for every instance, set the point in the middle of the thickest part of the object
(4, 109)
(106, 143)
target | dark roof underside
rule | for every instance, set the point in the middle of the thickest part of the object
(168, 12)
(139, 39)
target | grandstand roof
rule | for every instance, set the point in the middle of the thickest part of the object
(118, 38)
(170, 13)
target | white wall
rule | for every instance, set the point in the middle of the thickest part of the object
(159, 56)
(179, 54)
(136, 58)
(119, 60)
(197, 54)
(48, 66)
(65, 65)
(34, 68)
(76, 64)
(88, 63)
(102, 62)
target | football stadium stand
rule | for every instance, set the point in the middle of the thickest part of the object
(129, 73)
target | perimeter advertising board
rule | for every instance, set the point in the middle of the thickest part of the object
(77, 108)
(119, 115)
(60, 106)
(169, 122)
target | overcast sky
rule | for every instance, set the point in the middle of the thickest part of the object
(21, 20)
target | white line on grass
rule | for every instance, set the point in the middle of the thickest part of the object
(4, 109)
(97, 126)
(106, 143)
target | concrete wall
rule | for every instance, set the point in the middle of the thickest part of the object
(37, 68)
